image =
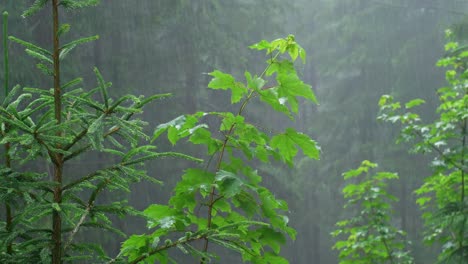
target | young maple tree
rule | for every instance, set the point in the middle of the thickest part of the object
(239, 213)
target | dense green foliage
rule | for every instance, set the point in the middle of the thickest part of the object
(241, 214)
(46, 209)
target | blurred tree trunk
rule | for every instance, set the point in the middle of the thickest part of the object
(315, 207)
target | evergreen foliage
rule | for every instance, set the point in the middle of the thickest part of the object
(46, 208)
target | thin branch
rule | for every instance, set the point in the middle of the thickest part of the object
(89, 206)
(218, 167)
(212, 199)
(462, 195)
(90, 176)
(77, 227)
(111, 131)
(162, 248)
(461, 167)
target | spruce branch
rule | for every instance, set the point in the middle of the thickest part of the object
(77, 227)
(91, 176)
(89, 206)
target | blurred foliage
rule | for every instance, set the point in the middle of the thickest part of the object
(361, 50)
(370, 236)
(443, 194)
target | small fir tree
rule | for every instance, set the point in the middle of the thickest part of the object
(45, 212)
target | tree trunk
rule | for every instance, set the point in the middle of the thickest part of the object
(57, 158)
